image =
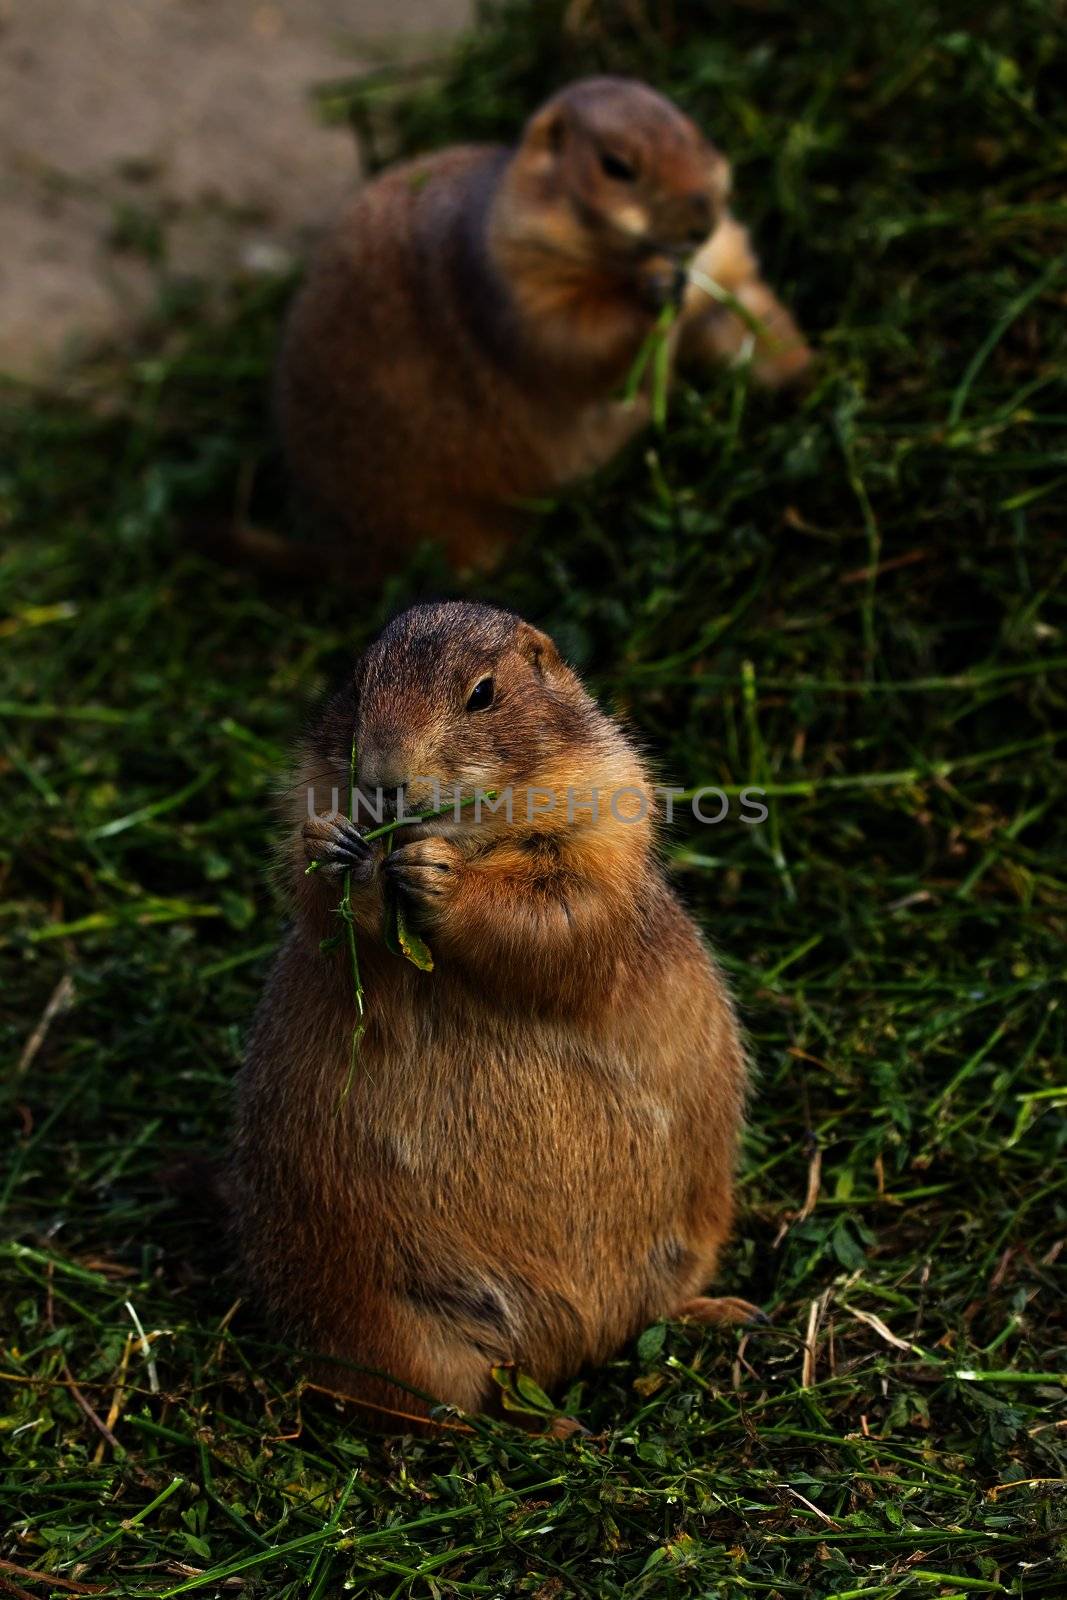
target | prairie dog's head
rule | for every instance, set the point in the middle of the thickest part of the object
(610, 174)
(470, 697)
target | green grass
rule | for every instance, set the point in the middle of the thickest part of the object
(856, 600)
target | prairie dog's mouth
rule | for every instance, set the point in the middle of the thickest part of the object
(662, 279)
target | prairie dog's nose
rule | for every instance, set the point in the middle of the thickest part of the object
(381, 769)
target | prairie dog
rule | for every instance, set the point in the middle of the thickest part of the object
(462, 339)
(533, 1155)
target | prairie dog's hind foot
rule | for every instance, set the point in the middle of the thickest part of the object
(723, 1311)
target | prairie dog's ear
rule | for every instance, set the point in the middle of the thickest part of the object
(546, 131)
(538, 649)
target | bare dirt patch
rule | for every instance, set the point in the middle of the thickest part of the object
(152, 140)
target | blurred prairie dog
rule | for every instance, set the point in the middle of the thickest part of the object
(534, 1157)
(462, 338)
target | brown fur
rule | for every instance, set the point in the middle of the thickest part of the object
(534, 1156)
(461, 340)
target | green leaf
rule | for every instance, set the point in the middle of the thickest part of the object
(412, 946)
(533, 1394)
(520, 1393)
(651, 1342)
(400, 939)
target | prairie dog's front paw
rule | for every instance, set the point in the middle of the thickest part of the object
(426, 871)
(335, 845)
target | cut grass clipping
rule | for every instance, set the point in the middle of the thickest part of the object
(400, 938)
(853, 597)
(655, 351)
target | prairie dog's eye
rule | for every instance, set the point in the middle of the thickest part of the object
(481, 696)
(617, 167)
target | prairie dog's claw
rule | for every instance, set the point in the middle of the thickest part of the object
(336, 844)
(721, 1311)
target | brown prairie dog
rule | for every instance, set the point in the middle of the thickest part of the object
(534, 1155)
(461, 341)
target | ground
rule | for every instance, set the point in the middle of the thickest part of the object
(141, 138)
(852, 597)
